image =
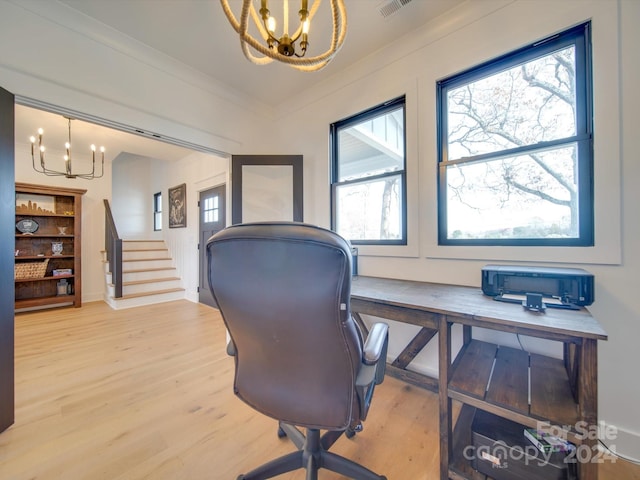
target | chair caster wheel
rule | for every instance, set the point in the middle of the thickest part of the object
(281, 434)
(351, 431)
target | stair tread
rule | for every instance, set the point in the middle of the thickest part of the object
(146, 294)
(145, 259)
(151, 280)
(128, 250)
(158, 249)
(142, 270)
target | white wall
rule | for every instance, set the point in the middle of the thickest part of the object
(52, 54)
(135, 179)
(476, 32)
(200, 172)
(79, 67)
(93, 281)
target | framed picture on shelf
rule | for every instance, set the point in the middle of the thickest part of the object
(33, 204)
(178, 206)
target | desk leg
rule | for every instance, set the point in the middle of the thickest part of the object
(444, 364)
(588, 406)
(466, 334)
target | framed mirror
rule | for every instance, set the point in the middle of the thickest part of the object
(266, 188)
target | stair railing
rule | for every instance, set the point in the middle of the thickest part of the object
(113, 247)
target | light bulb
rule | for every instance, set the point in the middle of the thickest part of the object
(271, 24)
(33, 139)
(93, 148)
(305, 26)
(67, 145)
(40, 131)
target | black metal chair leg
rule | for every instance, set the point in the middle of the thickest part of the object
(286, 463)
(346, 467)
(295, 435)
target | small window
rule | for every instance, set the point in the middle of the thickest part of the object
(515, 148)
(368, 178)
(211, 209)
(157, 211)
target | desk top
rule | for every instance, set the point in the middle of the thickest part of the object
(471, 307)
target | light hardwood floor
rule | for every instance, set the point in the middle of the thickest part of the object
(145, 393)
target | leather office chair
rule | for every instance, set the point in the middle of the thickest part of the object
(283, 291)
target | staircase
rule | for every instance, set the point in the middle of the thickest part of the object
(148, 276)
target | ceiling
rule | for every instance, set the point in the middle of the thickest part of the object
(197, 33)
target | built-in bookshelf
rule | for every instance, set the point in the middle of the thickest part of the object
(48, 270)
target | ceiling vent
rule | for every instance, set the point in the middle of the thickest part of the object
(391, 7)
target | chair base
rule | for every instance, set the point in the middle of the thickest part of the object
(312, 455)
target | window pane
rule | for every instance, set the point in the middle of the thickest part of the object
(529, 103)
(372, 147)
(370, 210)
(527, 196)
(211, 209)
(157, 211)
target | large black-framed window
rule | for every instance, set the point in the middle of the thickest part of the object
(157, 211)
(368, 175)
(515, 147)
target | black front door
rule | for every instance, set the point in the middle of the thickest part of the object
(212, 206)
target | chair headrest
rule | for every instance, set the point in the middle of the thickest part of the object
(283, 230)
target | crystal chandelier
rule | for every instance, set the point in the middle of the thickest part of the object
(283, 47)
(40, 167)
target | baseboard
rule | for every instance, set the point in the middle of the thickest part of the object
(621, 442)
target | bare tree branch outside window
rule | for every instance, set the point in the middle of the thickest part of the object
(512, 152)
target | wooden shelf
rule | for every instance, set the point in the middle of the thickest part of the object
(490, 376)
(43, 279)
(42, 214)
(43, 235)
(45, 301)
(517, 385)
(49, 207)
(41, 257)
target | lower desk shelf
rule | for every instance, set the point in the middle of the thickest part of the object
(526, 388)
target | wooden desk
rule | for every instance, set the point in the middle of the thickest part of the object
(563, 392)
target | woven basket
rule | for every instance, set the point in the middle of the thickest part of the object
(30, 269)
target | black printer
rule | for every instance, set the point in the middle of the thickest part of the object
(556, 287)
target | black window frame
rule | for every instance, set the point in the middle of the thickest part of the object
(580, 36)
(157, 209)
(334, 129)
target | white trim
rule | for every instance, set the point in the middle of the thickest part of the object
(73, 20)
(621, 442)
(70, 113)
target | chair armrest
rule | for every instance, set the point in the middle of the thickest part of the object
(374, 345)
(374, 362)
(231, 348)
